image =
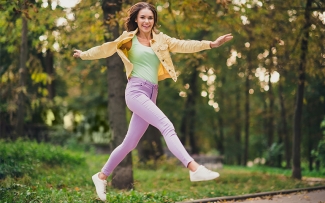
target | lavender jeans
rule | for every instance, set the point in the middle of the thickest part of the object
(140, 97)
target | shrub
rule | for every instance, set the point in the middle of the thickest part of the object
(22, 157)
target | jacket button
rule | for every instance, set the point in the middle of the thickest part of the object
(163, 60)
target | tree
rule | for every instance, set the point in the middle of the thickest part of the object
(122, 176)
(296, 168)
(22, 73)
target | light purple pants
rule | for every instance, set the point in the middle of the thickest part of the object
(140, 97)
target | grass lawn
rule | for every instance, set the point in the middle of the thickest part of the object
(168, 182)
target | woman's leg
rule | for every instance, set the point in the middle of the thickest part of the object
(145, 108)
(136, 130)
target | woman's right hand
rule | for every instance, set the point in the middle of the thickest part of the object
(77, 53)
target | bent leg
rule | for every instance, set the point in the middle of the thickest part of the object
(148, 111)
(136, 129)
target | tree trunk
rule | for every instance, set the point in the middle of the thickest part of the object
(265, 117)
(284, 129)
(270, 119)
(192, 111)
(188, 120)
(280, 155)
(247, 117)
(296, 169)
(150, 146)
(49, 69)
(122, 176)
(47, 62)
(238, 128)
(221, 142)
(23, 77)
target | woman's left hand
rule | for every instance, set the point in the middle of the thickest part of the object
(76, 53)
(221, 40)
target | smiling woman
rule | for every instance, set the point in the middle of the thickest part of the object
(145, 53)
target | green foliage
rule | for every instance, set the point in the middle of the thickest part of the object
(139, 197)
(319, 153)
(273, 153)
(168, 182)
(23, 157)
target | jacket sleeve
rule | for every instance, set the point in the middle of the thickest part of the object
(186, 46)
(103, 51)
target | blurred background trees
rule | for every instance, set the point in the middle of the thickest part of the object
(260, 96)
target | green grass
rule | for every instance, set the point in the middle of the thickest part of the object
(166, 181)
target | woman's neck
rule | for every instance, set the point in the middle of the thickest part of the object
(144, 35)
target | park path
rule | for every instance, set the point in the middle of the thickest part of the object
(302, 195)
(317, 196)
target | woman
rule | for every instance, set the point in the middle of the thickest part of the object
(145, 54)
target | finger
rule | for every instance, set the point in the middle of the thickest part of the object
(228, 37)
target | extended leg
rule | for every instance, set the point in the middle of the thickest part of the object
(136, 130)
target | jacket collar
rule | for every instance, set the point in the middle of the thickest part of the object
(154, 35)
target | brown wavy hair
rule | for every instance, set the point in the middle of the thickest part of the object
(130, 23)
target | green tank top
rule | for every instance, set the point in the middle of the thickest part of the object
(145, 61)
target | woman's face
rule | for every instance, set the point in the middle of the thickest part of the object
(145, 20)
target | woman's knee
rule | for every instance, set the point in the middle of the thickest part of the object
(128, 145)
(166, 127)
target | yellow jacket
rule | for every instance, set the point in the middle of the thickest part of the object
(161, 45)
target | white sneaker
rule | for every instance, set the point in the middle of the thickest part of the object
(203, 174)
(100, 186)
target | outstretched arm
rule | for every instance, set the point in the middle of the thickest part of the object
(103, 51)
(191, 46)
(221, 40)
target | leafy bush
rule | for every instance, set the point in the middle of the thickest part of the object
(319, 153)
(273, 153)
(22, 157)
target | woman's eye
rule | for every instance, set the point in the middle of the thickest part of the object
(150, 18)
